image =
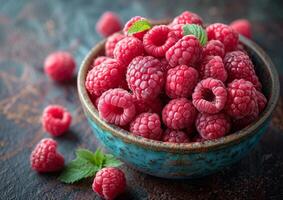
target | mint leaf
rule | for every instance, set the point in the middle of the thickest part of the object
(111, 161)
(99, 158)
(86, 154)
(139, 26)
(196, 30)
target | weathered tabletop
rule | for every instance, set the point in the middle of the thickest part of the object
(29, 30)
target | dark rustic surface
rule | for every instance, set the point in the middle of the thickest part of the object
(29, 30)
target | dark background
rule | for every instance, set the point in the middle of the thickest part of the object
(29, 30)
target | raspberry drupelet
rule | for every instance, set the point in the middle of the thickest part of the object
(213, 48)
(127, 26)
(111, 43)
(187, 18)
(108, 24)
(174, 136)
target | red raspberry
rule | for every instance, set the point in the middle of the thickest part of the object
(104, 76)
(111, 43)
(186, 51)
(241, 99)
(100, 59)
(145, 77)
(152, 106)
(213, 48)
(174, 136)
(245, 121)
(108, 24)
(45, 158)
(239, 66)
(213, 67)
(224, 34)
(187, 18)
(242, 26)
(177, 31)
(157, 41)
(109, 182)
(181, 81)
(56, 120)
(60, 66)
(130, 23)
(261, 101)
(127, 49)
(210, 96)
(147, 125)
(212, 126)
(179, 114)
(116, 106)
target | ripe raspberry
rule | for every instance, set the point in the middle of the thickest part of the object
(209, 96)
(179, 114)
(152, 106)
(127, 49)
(147, 125)
(104, 76)
(100, 59)
(241, 99)
(56, 120)
(116, 106)
(213, 48)
(45, 158)
(261, 101)
(145, 77)
(212, 126)
(187, 18)
(130, 23)
(109, 182)
(181, 81)
(108, 24)
(224, 34)
(174, 136)
(111, 43)
(60, 66)
(239, 66)
(242, 26)
(213, 67)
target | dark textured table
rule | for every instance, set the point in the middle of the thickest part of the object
(29, 30)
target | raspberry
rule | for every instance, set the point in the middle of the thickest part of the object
(243, 27)
(261, 101)
(100, 59)
(111, 43)
(109, 182)
(186, 51)
(147, 125)
(212, 126)
(45, 158)
(174, 136)
(181, 81)
(187, 18)
(239, 66)
(209, 96)
(105, 76)
(224, 34)
(108, 24)
(116, 106)
(127, 49)
(152, 106)
(213, 48)
(177, 31)
(241, 99)
(130, 23)
(56, 120)
(145, 77)
(245, 121)
(179, 114)
(60, 66)
(157, 41)
(213, 67)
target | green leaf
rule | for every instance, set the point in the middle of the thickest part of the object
(86, 154)
(139, 26)
(196, 30)
(99, 158)
(111, 161)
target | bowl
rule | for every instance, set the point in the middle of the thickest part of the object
(189, 160)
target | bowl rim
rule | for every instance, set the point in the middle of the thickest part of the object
(205, 146)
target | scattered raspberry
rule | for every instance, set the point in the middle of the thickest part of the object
(224, 34)
(181, 81)
(152, 106)
(147, 125)
(213, 67)
(60, 66)
(239, 66)
(127, 49)
(213, 48)
(261, 101)
(186, 51)
(108, 24)
(209, 96)
(212, 126)
(241, 99)
(111, 43)
(179, 114)
(243, 27)
(109, 182)
(130, 23)
(56, 120)
(145, 77)
(45, 158)
(187, 18)
(116, 106)
(100, 59)
(174, 136)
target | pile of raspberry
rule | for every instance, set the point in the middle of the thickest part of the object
(165, 84)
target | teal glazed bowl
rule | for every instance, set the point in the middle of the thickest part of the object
(169, 160)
